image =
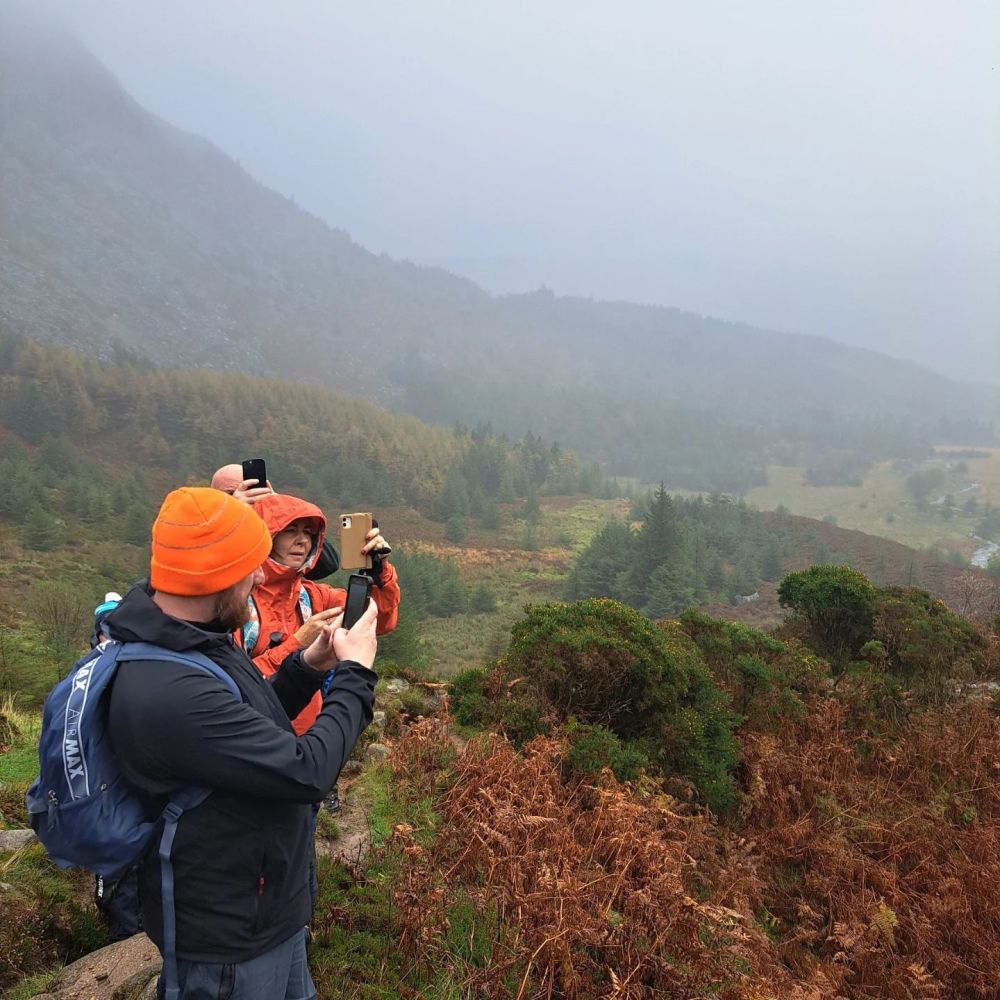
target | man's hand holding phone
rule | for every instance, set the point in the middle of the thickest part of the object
(249, 492)
(335, 644)
(255, 482)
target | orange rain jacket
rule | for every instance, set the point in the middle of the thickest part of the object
(277, 598)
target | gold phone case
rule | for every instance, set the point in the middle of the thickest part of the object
(353, 529)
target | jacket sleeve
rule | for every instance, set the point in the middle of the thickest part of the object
(187, 729)
(386, 598)
(295, 684)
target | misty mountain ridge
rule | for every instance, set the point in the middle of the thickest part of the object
(121, 233)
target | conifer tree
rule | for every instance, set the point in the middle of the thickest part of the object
(41, 532)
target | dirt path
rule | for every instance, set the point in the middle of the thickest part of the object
(352, 820)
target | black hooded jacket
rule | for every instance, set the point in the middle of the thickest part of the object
(241, 858)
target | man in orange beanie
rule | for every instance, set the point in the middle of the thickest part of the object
(241, 858)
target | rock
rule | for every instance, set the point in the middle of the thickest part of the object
(378, 719)
(141, 986)
(14, 840)
(376, 752)
(352, 767)
(125, 970)
(396, 685)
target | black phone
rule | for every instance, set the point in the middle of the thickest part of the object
(358, 595)
(253, 468)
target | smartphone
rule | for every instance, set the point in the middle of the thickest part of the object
(253, 468)
(358, 595)
(353, 531)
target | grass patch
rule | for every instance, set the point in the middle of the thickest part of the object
(326, 826)
(42, 921)
(33, 985)
(386, 810)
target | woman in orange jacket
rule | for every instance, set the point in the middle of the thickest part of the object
(287, 610)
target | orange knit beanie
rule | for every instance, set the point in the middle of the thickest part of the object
(204, 541)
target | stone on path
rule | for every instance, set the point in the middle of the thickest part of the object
(125, 970)
(14, 840)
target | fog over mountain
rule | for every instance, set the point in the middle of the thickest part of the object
(121, 232)
(821, 169)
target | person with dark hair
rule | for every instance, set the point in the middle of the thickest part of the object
(241, 858)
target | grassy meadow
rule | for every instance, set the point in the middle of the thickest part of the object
(518, 564)
(882, 505)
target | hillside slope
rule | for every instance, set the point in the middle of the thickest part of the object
(122, 232)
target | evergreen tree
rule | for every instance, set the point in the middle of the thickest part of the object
(672, 588)
(454, 530)
(136, 525)
(403, 644)
(41, 532)
(490, 517)
(770, 565)
(453, 498)
(598, 570)
(482, 600)
(532, 512)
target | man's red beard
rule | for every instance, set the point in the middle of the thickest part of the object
(233, 610)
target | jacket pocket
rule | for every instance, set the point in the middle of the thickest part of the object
(261, 897)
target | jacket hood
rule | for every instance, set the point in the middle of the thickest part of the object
(278, 511)
(139, 619)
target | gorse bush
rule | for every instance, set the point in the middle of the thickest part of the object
(767, 678)
(837, 603)
(591, 749)
(602, 664)
(903, 634)
(926, 646)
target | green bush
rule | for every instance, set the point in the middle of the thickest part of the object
(522, 719)
(765, 676)
(602, 663)
(467, 696)
(837, 602)
(925, 645)
(594, 748)
(482, 600)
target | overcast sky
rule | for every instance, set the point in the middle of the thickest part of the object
(827, 168)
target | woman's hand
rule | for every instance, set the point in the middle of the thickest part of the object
(375, 543)
(308, 631)
(335, 644)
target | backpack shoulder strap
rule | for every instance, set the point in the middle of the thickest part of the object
(181, 800)
(150, 651)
